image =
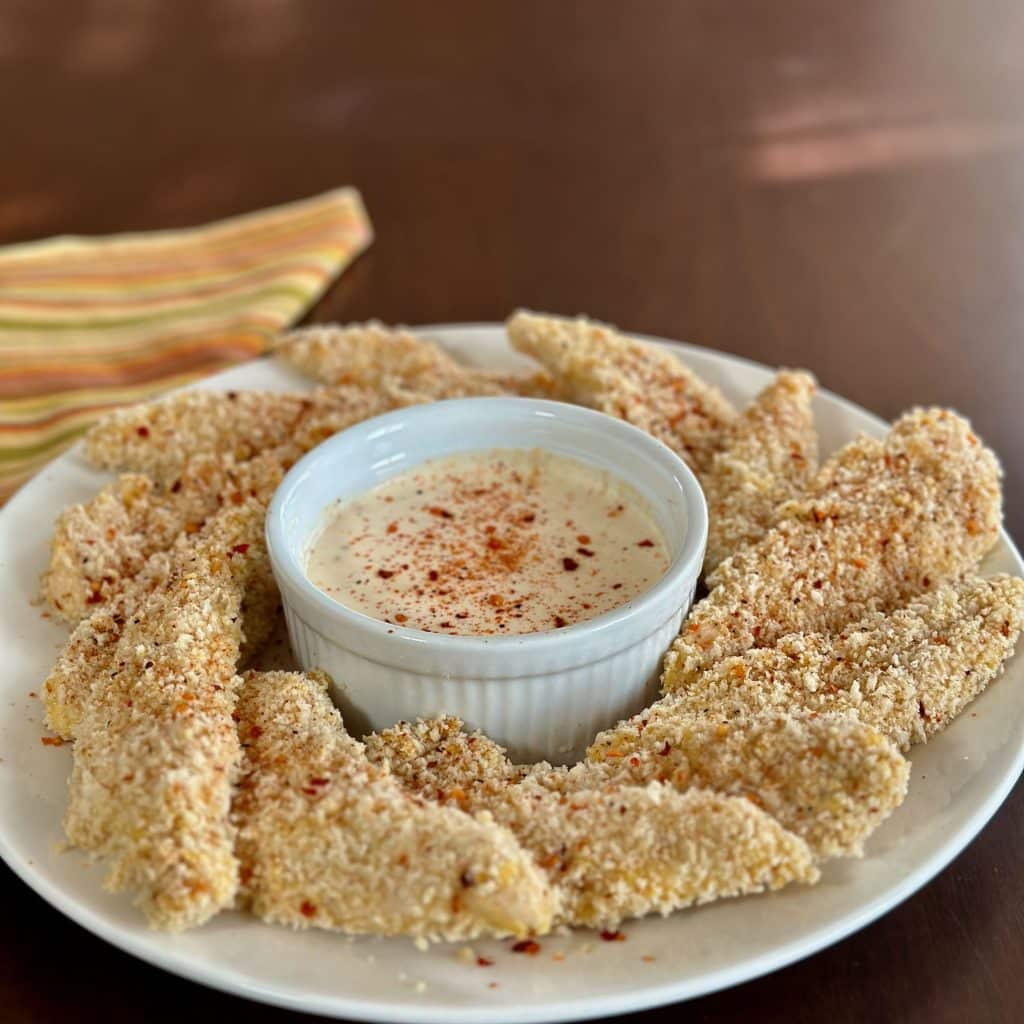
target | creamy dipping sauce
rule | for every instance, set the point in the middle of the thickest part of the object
(505, 541)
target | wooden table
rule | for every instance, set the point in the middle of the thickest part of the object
(839, 187)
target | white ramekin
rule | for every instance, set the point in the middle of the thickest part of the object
(542, 695)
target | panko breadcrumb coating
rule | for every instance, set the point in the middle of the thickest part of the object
(770, 456)
(644, 384)
(156, 749)
(882, 521)
(907, 674)
(88, 654)
(95, 546)
(99, 545)
(828, 779)
(328, 840)
(158, 438)
(614, 850)
(374, 355)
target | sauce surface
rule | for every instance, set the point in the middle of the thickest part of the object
(498, 542)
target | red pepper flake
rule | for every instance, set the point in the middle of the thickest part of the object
(432, 575)
(52, 741)
(401, 617)
(529, 517)
(392, 528)
(142, 431)
(255, 732)
(666, 750)
(645, 543)
(570, 564)
(615, 936)
(94, 598)
(239, 549)
(495, 543)
(616, 586)
(482, 961)
(385, 574)
(560, 622)
(441, 513)
(527, 946)
(585, 552)
(921, 711)
(583, 538)
(307, 909)
(175, 487)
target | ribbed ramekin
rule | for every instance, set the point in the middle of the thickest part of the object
(542, 695)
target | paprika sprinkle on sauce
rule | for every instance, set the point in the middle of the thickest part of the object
(498, 542)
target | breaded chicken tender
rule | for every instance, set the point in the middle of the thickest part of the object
(99, 545)
(156, 750)
(907, 674)
(882, 521)
(96, 545)
(158, 438)
(770, 456)
(828, 779)
(644, 384)
(327, 839)
(373, 355)
(90, 651)
(614, 850)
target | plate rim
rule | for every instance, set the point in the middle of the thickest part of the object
(228, 979)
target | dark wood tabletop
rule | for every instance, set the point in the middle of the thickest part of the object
(836, 186)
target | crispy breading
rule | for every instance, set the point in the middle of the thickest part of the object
(367, 354)
(328, 840)
(95, 546)
(594, 365)
(614, 851)
(770, 456)
(158, 438)
(907, 674)
(90, 650)
(99, 545)
(374, 355)
(881, 522)
(156, 750)
(829, 779)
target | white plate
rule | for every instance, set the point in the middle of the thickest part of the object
(957, 783)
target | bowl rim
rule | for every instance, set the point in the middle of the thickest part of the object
(685, 565)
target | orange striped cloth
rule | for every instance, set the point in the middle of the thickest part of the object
(90, 323)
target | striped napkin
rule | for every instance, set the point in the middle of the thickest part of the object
(90, 323)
